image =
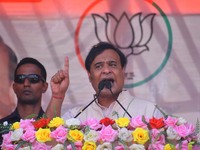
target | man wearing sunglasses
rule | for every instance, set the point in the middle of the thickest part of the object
(29, 85)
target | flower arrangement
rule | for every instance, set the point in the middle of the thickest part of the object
(139, 133)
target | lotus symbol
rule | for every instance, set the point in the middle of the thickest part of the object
(129, 34)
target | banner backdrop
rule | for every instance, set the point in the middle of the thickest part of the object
(159, 38)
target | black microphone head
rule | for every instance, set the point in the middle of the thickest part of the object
(108, 84)
(101, 85)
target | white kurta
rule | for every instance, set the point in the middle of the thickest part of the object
(134, 106)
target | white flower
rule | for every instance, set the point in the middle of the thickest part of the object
(172, 134)
(125, 135)
(16, 134)
(92, 135)
(58, 147)
(181, 121)
(72, 122)
(5, 123)
(105, 146)
(137, 147)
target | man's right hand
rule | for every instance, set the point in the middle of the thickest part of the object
(60, 81)
(59, 85)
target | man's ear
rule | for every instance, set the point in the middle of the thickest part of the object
(45, 87)
(14, 87)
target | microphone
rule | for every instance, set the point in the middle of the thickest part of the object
(100, 87)
(109, 86)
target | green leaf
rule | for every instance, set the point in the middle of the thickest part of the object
(115, 113)
(31, 116)
(21, 143)
(123, 143)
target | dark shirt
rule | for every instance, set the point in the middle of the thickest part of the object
(15, 117)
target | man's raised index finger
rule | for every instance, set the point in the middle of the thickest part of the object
(66, 65)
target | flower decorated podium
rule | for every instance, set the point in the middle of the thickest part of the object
(139, 133)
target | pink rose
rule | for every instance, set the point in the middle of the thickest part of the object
(137, 122)
(170, 121)
(78, 146)
(119, 147)
(60, 134)
(27, 124)
(29, 136)
(157, 139)
(196, 147)
(41, 146)
(6, 137)
(107, 134)
(93, 124)
(9, 147)
(156, 147)
(184, 129)
(183, 146)
(7, 144)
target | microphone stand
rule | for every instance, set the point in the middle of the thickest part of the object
(100, 87)
(108, 86)
(124, 108)
(95, 97)
(102, 84)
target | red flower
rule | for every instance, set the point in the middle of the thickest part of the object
(156, 123)
(107, 121)
(43, 122)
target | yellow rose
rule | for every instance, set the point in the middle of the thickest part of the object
(89, 146)
(56, 122)
(140, 135)
(15, 125)
(75, 135)
(169, 147)
(122, 122)
(43, 135)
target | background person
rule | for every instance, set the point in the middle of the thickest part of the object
(8, 62)
(29, 85)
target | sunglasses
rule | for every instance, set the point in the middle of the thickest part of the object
(32, 78)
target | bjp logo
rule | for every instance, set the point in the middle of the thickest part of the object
(139, 34)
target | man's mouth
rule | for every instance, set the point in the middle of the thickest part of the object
(110, 80)
(27, 92)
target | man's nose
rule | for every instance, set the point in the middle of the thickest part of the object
(26, 81)
(106, 69)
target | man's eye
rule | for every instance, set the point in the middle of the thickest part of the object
(98, 66)
(113, 64)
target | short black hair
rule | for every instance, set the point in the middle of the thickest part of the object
(98, 49)
(29, 60)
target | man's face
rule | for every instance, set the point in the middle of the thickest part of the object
(28, 92)
(107, 65)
